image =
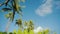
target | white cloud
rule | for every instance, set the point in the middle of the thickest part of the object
(45, 8)
(38, 29)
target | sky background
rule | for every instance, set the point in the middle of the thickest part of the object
(44, 13)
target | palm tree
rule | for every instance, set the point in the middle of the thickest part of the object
(25, 25)
(19, 23)
(29, 25)
(15, 7)
(10, 17)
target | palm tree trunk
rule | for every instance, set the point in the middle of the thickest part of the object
(8, 25)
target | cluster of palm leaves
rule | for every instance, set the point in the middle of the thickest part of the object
(25, 25)
(29, 25)
(12, 6)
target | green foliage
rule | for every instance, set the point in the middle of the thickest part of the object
(40, 32)
(4, 33)
(15, 32)
(10, 33)
(25, 31)
(31, 32)
(19, 32)
(0, 32)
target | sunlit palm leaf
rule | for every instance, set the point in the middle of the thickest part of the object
(7, 16)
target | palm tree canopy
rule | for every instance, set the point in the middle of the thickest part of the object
(26, 23)
(9, 15)
(19, 22)
(30, 22)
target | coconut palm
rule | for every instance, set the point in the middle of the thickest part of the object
(19, 23)
(10, 17)
(25, 23)
(31, 26)
(15, 7)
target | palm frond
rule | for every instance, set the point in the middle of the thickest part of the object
(6, 2)
(6, 9)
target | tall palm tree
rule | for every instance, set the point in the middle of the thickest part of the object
(10, 17)
(15, 7)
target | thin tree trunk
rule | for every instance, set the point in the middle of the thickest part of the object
(8, 25)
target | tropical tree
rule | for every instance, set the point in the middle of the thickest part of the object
(19, 23)
(10, 17)
(13, 7)
(29, 25)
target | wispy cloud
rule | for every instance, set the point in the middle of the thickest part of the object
(45, 8)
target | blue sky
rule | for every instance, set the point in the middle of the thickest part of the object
(44, 13)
